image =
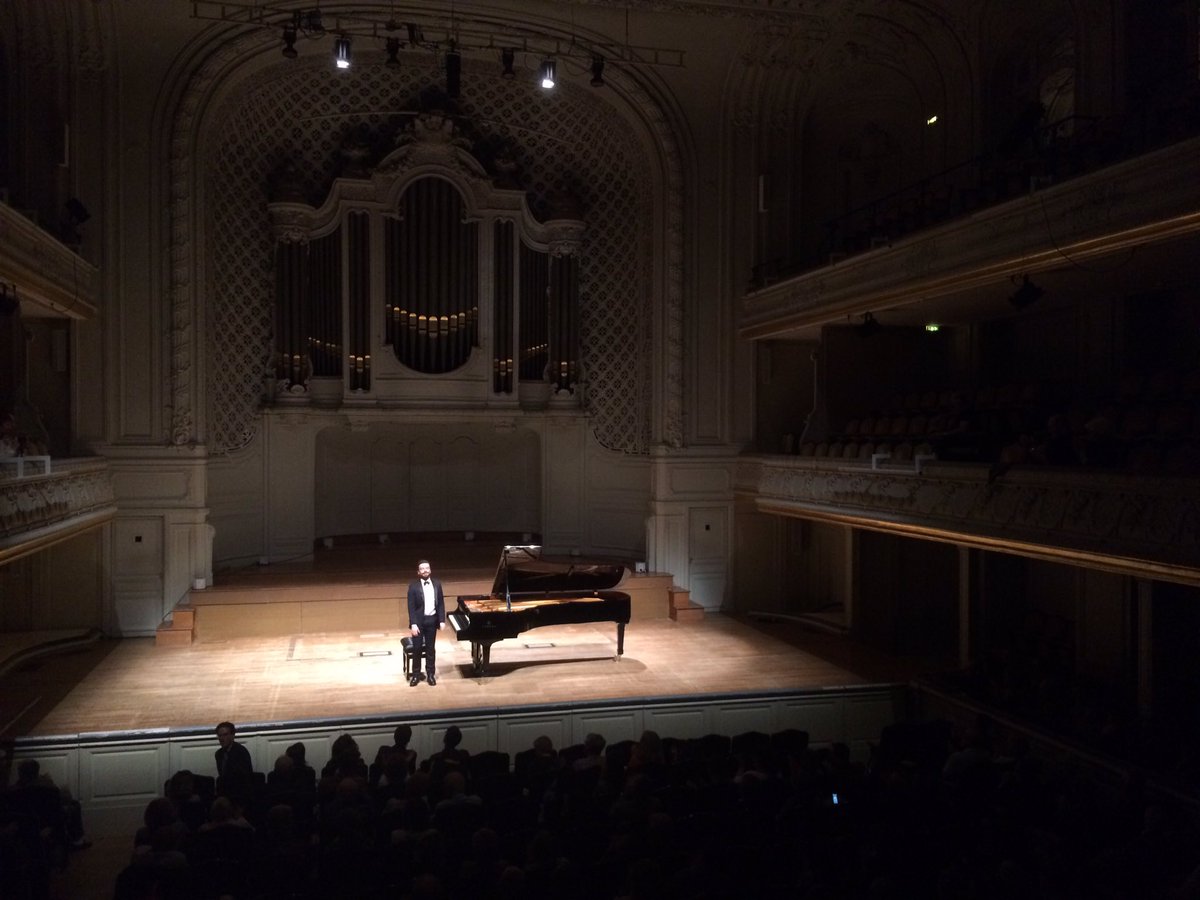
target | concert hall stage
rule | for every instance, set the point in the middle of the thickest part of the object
(113, 718)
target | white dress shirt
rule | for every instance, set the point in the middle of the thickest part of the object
(430, 597)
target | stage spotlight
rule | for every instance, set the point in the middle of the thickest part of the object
(869, 325)
(597, 71)
(289, 41)
(453, 72)
(1027, 294)
(393, 52)
(341, 51)
(507, 58)
(546, 73)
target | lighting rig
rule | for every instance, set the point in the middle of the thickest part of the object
(447, 36)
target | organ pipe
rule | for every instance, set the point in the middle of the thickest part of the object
(432, 278)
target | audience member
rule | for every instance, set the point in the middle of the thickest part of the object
(345, 760)
(931, 816)
(235, 770)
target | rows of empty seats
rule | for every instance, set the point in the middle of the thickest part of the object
(1146, 424)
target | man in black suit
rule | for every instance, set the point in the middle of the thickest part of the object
(426, 616)
(235, 769)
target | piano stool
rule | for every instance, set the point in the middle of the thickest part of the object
(406, 645)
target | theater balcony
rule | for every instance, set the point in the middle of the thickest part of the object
(43, 274)
(51, 501)
(1117, 522)
(1114, 251)
(1153, 199)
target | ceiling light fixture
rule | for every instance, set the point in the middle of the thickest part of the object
(429, 30)
(341, 51)
(507, 57)
(546, 73)
(597, 71)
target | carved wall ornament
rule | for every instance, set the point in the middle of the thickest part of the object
(291, 223)
(46, 501)
(565, 236)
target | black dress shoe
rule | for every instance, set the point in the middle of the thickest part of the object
(414, 681)
(432, 679)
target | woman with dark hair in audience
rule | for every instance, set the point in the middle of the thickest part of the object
(346, 761)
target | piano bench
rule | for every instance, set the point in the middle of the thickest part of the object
(406, 644)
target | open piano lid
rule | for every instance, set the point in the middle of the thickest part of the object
(528, 573)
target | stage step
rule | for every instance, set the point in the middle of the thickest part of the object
(682, 607)
(178, 631)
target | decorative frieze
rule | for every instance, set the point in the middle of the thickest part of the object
(1117, 521)
(37, 509)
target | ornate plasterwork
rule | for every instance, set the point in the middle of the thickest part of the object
(185, 136)
(580, 144)
(564, 237)
(1136, 523)
(65, 34)
(34, 507)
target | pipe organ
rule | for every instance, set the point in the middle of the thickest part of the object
(420, 282)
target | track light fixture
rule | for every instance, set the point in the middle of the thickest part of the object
(453, 72)
(393, 52)
(341, 51)
(454, 29)
(289, 41)
(1026, 294)
(546, 73)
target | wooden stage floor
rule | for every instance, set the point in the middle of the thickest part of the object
(131, 685)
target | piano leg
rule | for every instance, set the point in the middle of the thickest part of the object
(620, 639)
(477, 657)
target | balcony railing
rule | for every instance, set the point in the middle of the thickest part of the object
(37, 510)
(1131, 524)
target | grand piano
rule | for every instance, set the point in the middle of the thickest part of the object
(530, 592)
